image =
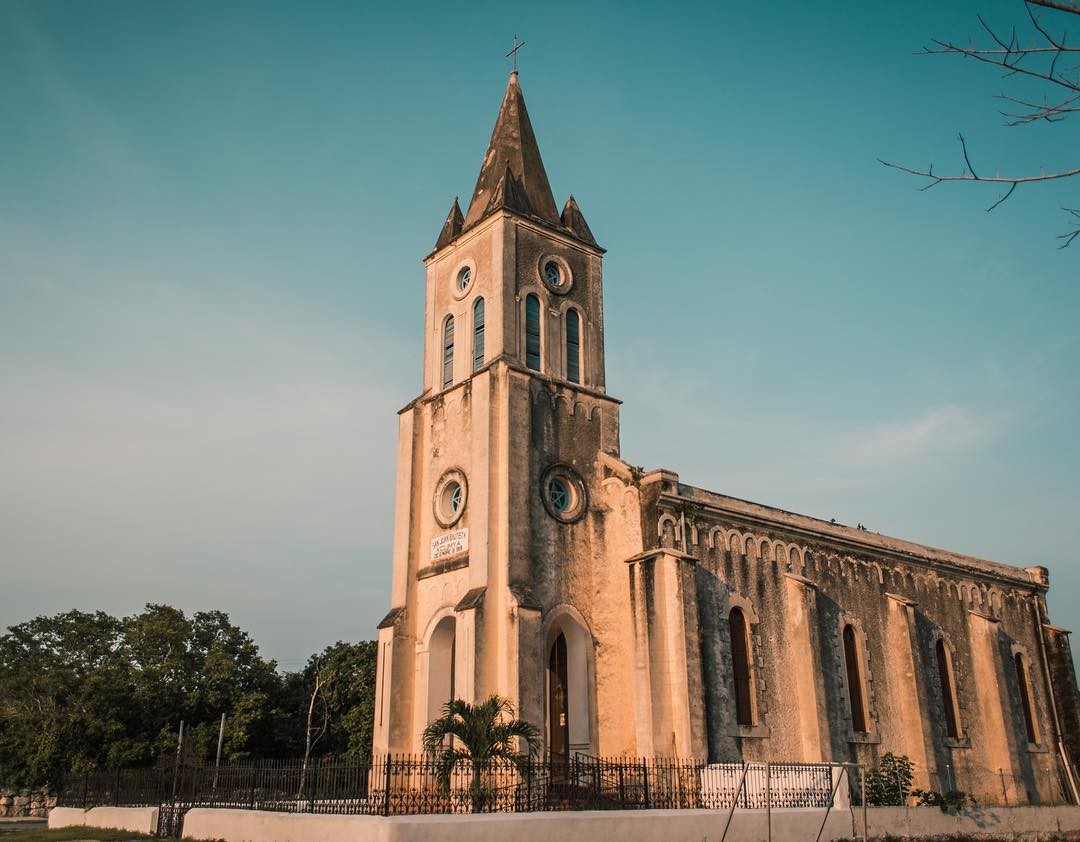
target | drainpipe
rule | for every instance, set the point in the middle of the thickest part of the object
(1053, 702)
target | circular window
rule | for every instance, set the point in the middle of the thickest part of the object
(451, 495)
(563, 493)
(462, 278)
(555, 273)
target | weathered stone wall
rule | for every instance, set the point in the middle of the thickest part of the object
(799, 582)
(26, 802)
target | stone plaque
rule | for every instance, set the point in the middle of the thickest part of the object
(449, 543)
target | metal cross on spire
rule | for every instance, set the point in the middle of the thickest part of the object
(513, 52)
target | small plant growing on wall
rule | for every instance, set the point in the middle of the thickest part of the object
(889, 785)
(951, 801)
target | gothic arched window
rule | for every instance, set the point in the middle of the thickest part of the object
(740, 662)
(478, 334)
(532, 332)
(573, 346)
(854, 681)
(448, 352)
(1025, 698)
(948, 690)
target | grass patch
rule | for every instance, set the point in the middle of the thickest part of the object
(70, 834)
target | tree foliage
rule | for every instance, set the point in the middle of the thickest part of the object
(478, 735)
(80, 691)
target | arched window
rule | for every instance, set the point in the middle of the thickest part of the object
(448, 352)
(532, 332)
(948, 691)
(1025, 698)
(740, 661)
(478, 334)
(854, 681)
(573, 346)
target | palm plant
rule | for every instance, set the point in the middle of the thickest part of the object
(479, 734)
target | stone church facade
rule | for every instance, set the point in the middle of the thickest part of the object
(627, 613)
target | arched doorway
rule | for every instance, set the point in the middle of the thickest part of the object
(570, 727)
(442, 654)
(558, 712)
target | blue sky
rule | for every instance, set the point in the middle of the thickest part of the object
(211, 224)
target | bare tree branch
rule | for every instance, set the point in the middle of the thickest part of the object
(1069, 236)
(1038, 111)
(1040, 61)
(1067, 6)
(1012, 181)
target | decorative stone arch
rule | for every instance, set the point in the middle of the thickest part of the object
(764, 546)
(941, 645)
(878, 572)
(736, 601)
(795, 558)
(564, 307)
(863, 674)
(667, 520)
(752, 547)
(717, 533)
(736, 543)
(1029, 706)
(580, 692)
(439, 662)
(522, 298)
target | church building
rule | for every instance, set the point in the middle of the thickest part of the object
(626, 613)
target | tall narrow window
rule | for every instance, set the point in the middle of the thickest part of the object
(948, 692)
(448, 352)
(740, 661)
(573, 346)
(1025, 699)
(478, 334)
(532, 332)
(854, 681)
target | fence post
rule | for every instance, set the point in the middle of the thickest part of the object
(622, 791)
(116, 790)
(645, 778)
(386, 787)
(862, 797)
(768, 801)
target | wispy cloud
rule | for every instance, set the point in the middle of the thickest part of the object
(930, 433)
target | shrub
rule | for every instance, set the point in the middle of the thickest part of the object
(890, 783)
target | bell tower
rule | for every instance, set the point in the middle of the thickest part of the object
(498, 532)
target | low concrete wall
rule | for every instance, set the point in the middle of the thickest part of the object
(133, 819)
(600, 826)
(67, 817)
(259, 826)
(991, 822)
(789, 825)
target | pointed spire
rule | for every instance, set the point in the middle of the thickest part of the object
(513, 148)
(573, 219)
(451, 228)
(510, 194)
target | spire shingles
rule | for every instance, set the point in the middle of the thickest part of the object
(451, 228)
(573, 219)
(513, 148)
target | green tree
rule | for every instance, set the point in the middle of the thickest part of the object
(479, 735)
(890, 783)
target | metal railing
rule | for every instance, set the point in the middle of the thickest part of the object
(410, 785)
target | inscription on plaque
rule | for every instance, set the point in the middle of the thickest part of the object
(449, 543)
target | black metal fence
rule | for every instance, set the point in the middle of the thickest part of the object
(411, 784)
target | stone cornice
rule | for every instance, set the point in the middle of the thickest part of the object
(844, 538)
